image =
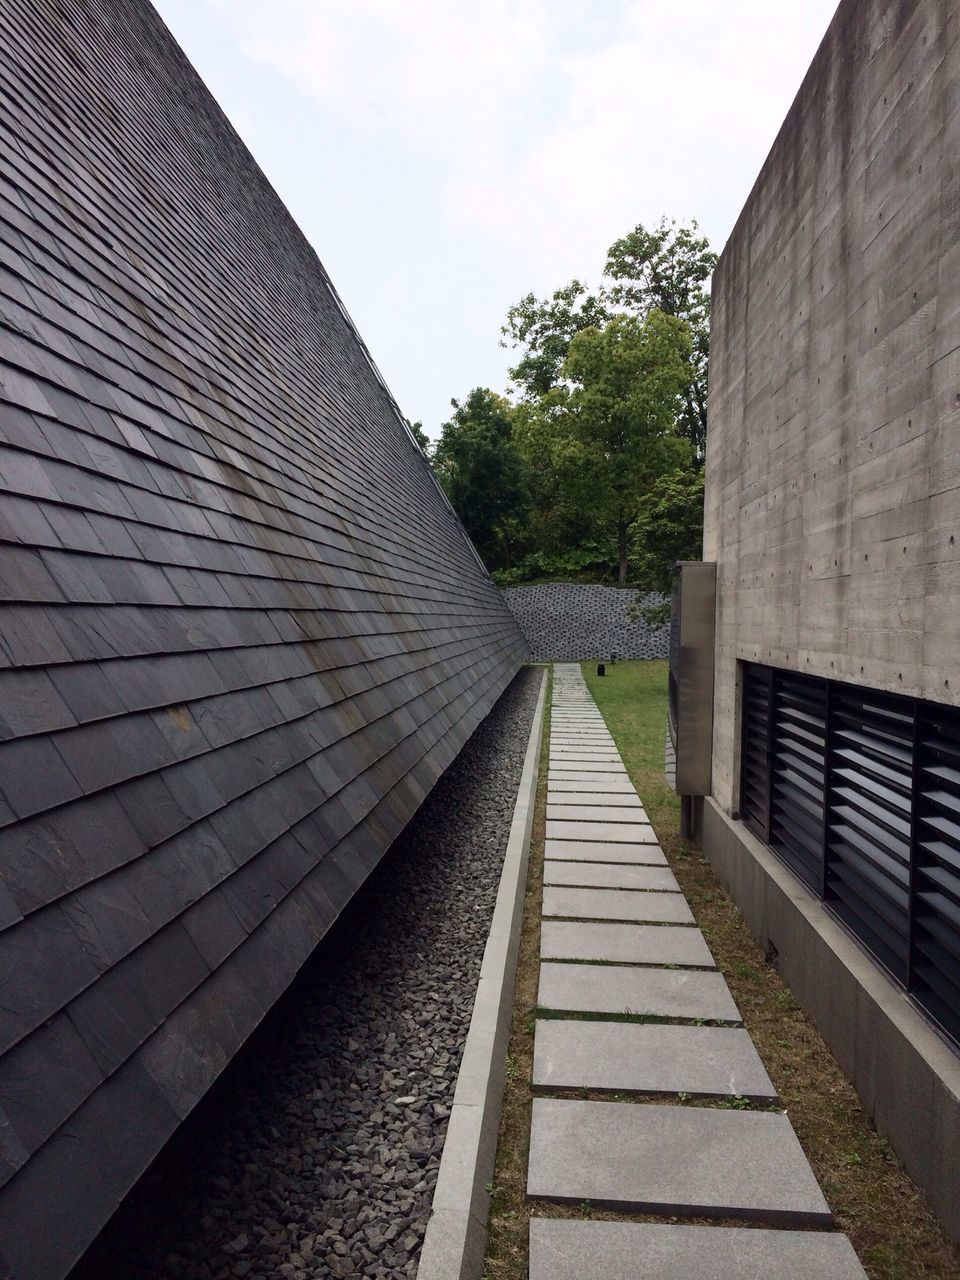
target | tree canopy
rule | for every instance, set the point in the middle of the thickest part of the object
(594, 466)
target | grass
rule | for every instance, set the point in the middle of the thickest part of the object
(874, 1202)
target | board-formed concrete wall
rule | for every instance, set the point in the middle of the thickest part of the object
(833, 454)
(833, 490)
(241, 632)
(573, 622)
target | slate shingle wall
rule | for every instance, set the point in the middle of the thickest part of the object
(241, 634)
(574, 622)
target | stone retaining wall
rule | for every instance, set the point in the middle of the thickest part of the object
(570, 622)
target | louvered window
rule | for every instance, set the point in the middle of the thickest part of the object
(858, 792)
(799, 769)
(755, 757)
(936, 868)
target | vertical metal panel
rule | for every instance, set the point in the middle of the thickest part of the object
(694, 622)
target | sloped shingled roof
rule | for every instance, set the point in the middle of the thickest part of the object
(241, 636)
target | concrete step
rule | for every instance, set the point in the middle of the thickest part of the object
(571, 1249)
(647, 854)
(616, 832)
(674, 1160)
(646, 1058)
(622, 989)
(623, 943)
(600, 875)
(630, 905)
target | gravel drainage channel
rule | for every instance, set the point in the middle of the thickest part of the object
(317, 1152)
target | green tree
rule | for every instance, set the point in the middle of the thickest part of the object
(421, 437)
(668, 268)
(668, 527)
(615, 425)
(544, 329)
(479, 465)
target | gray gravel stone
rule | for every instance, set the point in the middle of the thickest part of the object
(317, 1152)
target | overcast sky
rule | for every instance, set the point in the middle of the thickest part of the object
(444, 157)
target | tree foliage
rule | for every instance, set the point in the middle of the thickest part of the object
(479, 466)
(595, 470)
(615, 429)
(664, 269)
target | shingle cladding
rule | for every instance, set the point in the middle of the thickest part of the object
(241, 636)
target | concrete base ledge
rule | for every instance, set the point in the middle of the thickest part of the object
(907, 1077)
(456, 1235)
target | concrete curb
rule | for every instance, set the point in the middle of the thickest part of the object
(456, 1236)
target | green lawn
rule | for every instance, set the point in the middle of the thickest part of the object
(632, 697)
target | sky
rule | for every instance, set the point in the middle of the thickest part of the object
(446, 157)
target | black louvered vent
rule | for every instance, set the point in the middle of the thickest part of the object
(755, 758)
(871, 784)
(936, 889)
(799, 772)
(858, 792)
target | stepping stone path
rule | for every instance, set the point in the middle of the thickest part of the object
(626, 983)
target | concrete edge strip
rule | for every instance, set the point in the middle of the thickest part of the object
(456, 1235)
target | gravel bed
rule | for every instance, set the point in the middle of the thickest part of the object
(317, 1152)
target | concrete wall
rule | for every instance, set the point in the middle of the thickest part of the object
(833, 456)
(572, 622)
(907, 1078)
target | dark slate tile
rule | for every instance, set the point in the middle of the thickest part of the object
(151, 809)
(30, 703)
(87, 690)
(44, 1079)
(42, 966)
(111, 1020)
(34, 776)
(50, 855)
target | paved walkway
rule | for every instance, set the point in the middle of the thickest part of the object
(628, 983)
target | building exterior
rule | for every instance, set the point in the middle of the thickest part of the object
(833, 515)
(242, 633)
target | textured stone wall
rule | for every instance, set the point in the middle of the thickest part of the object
(833, 454)
(242, 634)
(569, 622)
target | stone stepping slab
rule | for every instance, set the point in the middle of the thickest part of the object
(623, 943)
(571, 1249)
(644, 1058)
(600, 875)
(562, 784)
(605, 813)
(619, 989)
(615, 832)
(570, 769)
(629, 905)
(570, 753)
(648, 854)
(592, 798)
(678, 1161)
(580, 732)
